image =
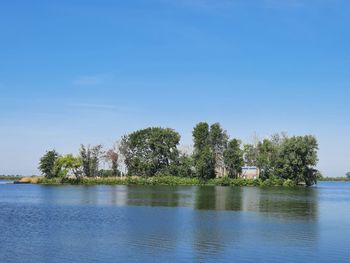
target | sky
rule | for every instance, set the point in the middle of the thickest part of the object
(89, 71)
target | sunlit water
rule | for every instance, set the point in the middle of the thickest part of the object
(174, 224)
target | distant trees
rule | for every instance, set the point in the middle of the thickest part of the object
(233, 158)
(90, 159)
(154, 151)
(150, 151)
(348, 175)
(47, 164)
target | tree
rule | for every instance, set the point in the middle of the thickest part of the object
(297, 159)
(150, 151)
(266, 158)
(47, 164)
(112, 156)
(201, 136)
(233, 158)
(348, 175)
(183, 167)
(250, 154)
(203, 156)
(205, 164)
(218, 143)
(69, 165)
(90, 158)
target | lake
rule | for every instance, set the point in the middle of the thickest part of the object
(174, 224)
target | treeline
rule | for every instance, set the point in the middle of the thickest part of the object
(155, 152)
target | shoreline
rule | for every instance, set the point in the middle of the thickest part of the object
(159, 180)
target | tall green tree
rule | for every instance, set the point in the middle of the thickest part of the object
(47, 164)
(297, 159)
(203, 156)
(218, 140)
(201, 136)
(205, 164)
(348, 175)
(150, 151)
(266, 158)
(233, 157)
(90, 158)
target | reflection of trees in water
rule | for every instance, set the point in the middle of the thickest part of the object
(213, 232)
(153, 196)
(297, 204)
(218, 198)
(300, 203)
(274, 208)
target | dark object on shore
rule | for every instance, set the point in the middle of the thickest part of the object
(19, 182)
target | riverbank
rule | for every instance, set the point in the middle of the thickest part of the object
(10, 177)
(159, 180)
(334, 179)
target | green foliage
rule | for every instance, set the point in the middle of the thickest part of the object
(183, 167)
(205, 164)
(209, 147)
(167, 180)
(68, 165)
(201, 136)
(250, 154)
(47, 164)
(233, 158)
(150, 151)
(109, 173)
(90, 159)
(266, 158)
(296, 159)
(348, 175)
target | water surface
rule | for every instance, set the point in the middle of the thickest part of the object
(174, 224)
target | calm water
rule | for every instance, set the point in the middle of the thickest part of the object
(174, 224)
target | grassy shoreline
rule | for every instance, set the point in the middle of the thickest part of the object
(159, 180)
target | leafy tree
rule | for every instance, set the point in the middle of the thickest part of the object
(47, 164)
(218, 144)
(250, 154)
(297, 159)
(233, 157)
(90, 158)
(183, 167)
(68, 165)
(203, 156)
(348, 175)
(266, 158)
(201, 136)
(150, 151)
(205, 164)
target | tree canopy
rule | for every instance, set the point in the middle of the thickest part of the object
(150, 151)
(47, 164)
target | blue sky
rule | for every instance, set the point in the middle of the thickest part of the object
(89, 71)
